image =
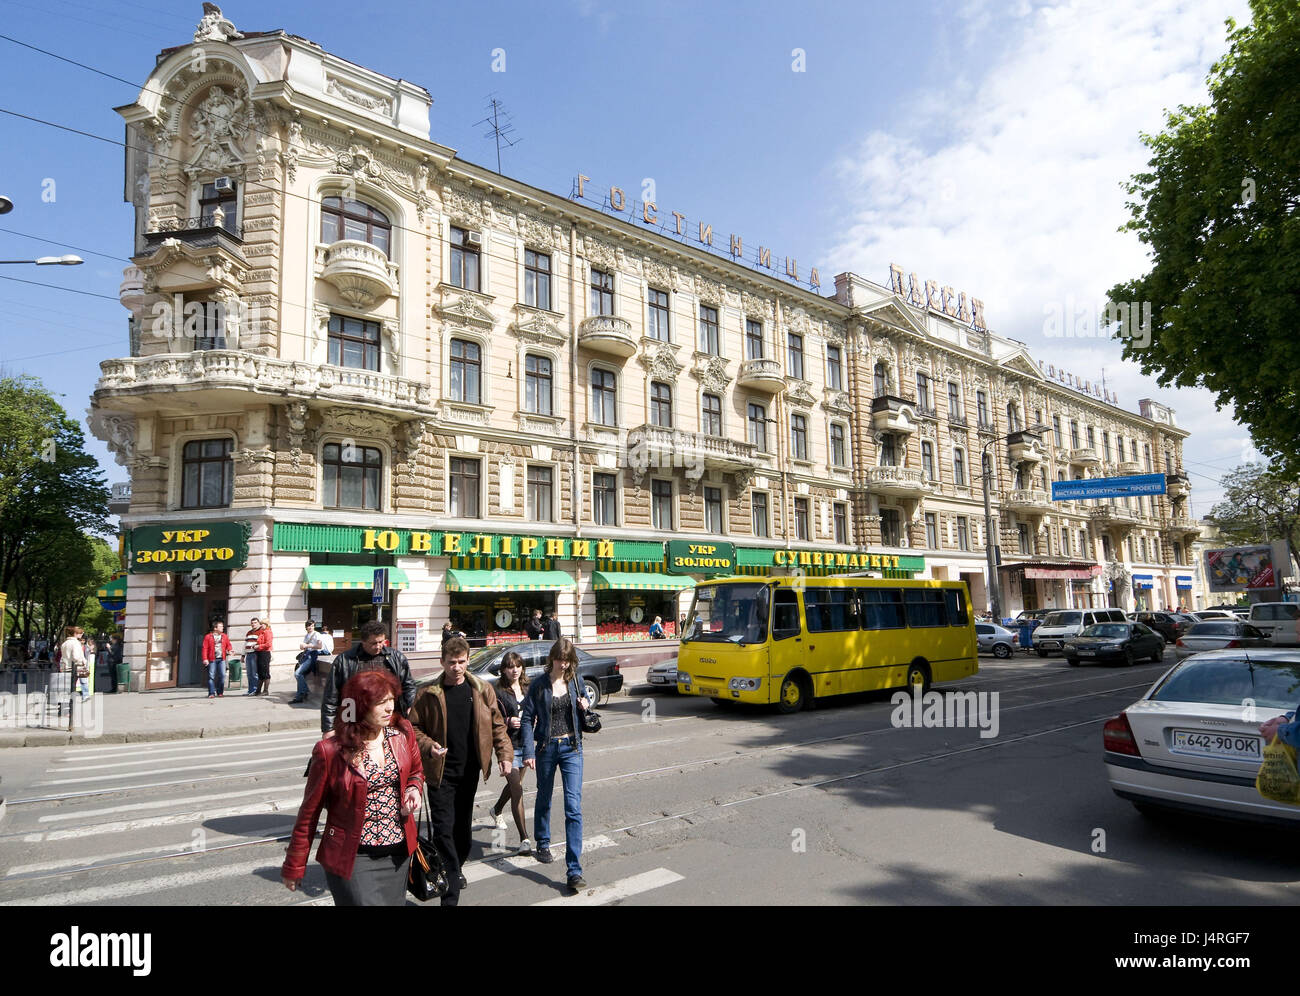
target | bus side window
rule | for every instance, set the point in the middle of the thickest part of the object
(882, 608)
(785, 614)
(956, 607)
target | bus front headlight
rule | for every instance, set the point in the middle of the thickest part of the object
(683, 677)
(744, 684)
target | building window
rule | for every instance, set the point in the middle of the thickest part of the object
(1092, 439)
(1133, 450)
(954, 400)
(351, 476)
(713, 510)
(758, 427)
(537, 279)
(888, 452)
(353, 343)
(465, 259)
(711, 415)
(923, 391)
(1146, 455)
(1074, 435)
(1106, 550)
(963, 533)
(464, 488)
(982, 408)
(959, 468)
(348, 219)
(880, 379)
(840, 519)
(602, 292)
(210, 198)
(661, 504)
(838, 458)
(799, 437)
(1022, 537)
(891, 529)
(1083, 544)
(795, 342)
(1105, 445)
(604, 499)
(1142, 548)
(1065, 541)
(466, 372)
(658, 311)
(661, 405)
(539, 494)
(753, 339)
(927, 460)
(932, 530)
(1013, 418)
(207, 477)
(604, 410)
(834, 369)
(1056, 430)
(709, 342)
(758, 512)
(801, 518)
(537, 385)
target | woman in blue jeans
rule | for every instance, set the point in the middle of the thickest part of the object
(551, 728)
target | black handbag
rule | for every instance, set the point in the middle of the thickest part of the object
(427, 878)
(590, 720)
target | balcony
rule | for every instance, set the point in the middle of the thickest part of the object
(1127, 468)
(219, 379)
(1028, 500)
(1024, 447)
(188, 254)
(762, 375)
(902, 481)
(131, 291)
(609, 335)
(1113, 517)
(1085, 456)
(1181, 525)
(656, 447)
(359, 271)
(893, 414)
(1177, 485)
(958, 421)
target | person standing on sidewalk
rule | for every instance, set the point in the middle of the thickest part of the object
(372, 653)
(264, 659)
(458, 726)
(216, 651)
(250, 655)
(72, 658)
(309, 651)
(114, 660)
(511, 691)
(552, 627)
(552, 736)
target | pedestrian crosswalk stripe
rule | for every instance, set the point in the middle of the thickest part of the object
(84, 779)
(490, 866)
(171, 819)
(245, 752)
(194, 743)
(141, 887)
(182, 847)
(82, 815)
(621, 889)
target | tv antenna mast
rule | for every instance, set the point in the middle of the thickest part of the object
(499, 125)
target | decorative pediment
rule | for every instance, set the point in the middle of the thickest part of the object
(799, 393)
(537, 327)
(464, 308)
(894, 311)
(660, 362)
(536, 232)
(838, 401)
(354, 422)
(711, 372)
(1020, 362)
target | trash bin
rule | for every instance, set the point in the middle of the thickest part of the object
(236, 667)
(123, 676)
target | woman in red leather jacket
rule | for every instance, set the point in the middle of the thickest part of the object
(369, 778)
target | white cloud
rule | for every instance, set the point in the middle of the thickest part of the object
(1011, 189)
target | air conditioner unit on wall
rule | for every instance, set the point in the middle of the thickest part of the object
(474, 238)
(223, 185)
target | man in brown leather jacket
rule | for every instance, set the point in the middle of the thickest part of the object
(458, 727)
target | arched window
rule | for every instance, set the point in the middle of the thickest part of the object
(348, 219)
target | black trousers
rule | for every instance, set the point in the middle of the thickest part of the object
(263, 667)
(451, 811)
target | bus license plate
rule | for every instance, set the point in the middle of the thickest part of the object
(1217, 744)
(709, 689)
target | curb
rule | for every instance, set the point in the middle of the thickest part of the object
(56, 738)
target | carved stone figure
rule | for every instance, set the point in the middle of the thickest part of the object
(214, 27)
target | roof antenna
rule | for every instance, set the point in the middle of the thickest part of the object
(496, 128)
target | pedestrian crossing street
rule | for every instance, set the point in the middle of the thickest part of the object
(206, 821)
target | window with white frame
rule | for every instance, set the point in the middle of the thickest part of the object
(463, 481)
(661, 504)
(711, 415)
(798, 436)
(540, 491)
(834, 368)
(537, 279)
(602, 292)
(758, 513)
(604, 408)
(465, 259)
(466, 372)
(537, 385)
(713, 510)
(657, 311)
(839, 452)
(604, 499)
(661, 404)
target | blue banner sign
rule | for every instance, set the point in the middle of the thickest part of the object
(1109, 487)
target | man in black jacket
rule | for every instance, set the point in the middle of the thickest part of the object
(369, 654)
(552, 627)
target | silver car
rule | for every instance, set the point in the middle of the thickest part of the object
(1192, 742)
(995, 640)
(664, 673)
(1218, 635)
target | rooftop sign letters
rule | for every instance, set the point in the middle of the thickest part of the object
(943, 301)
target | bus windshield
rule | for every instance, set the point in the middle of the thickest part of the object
(728, 613)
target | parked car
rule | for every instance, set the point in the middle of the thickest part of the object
(996, 640)
(1208, 615)
(1167, 624)
(1279, 620)
(663, 673)
(1115, 643)
(1189, 744)
(1035, 614)
(599, 675)
(1062, 624)
(1219, 634)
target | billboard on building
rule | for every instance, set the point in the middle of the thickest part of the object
(1247, 568)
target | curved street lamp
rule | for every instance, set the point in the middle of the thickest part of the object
(986, 472)
(68, 260)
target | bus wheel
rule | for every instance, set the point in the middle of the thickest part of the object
(793, 695)
(918, 673)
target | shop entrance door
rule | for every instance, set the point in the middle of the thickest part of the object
(194, 616)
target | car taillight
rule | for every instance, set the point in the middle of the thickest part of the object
(1231, 643)
(616, 667)
(1179, 642)
(1015, 637)
(1117, 736)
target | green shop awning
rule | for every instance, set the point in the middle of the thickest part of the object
(461, 580)
(642, 581)
(335, 577)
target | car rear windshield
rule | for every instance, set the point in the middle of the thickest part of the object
(1277, 610)
(1111, 631)
(1063, 619)
(1213, 629)
(1272, 684)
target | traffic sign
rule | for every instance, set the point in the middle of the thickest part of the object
(1109, 487)
(380, 593)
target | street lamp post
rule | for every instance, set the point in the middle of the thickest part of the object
(990, 549)
(68, 260)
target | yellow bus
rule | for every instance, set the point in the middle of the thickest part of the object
(788, 641)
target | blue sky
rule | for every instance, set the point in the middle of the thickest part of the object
(980, 144)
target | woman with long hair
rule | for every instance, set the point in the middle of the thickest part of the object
(551, 727)
(369, 777)
(511, 690)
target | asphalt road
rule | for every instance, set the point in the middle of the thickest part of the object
(685, 803)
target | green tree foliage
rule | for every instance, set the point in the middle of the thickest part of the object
(1218, 209)
(29, 422)
(1260, 504)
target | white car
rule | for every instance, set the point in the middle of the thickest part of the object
(1209, 615)
(1279, 621)
(664, 674)
(1192, 742)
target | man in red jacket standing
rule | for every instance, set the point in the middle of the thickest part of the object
(216, 651)
(264, 659)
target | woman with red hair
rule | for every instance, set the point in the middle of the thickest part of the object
(369, 778)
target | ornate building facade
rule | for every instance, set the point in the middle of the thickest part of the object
(350, 349)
